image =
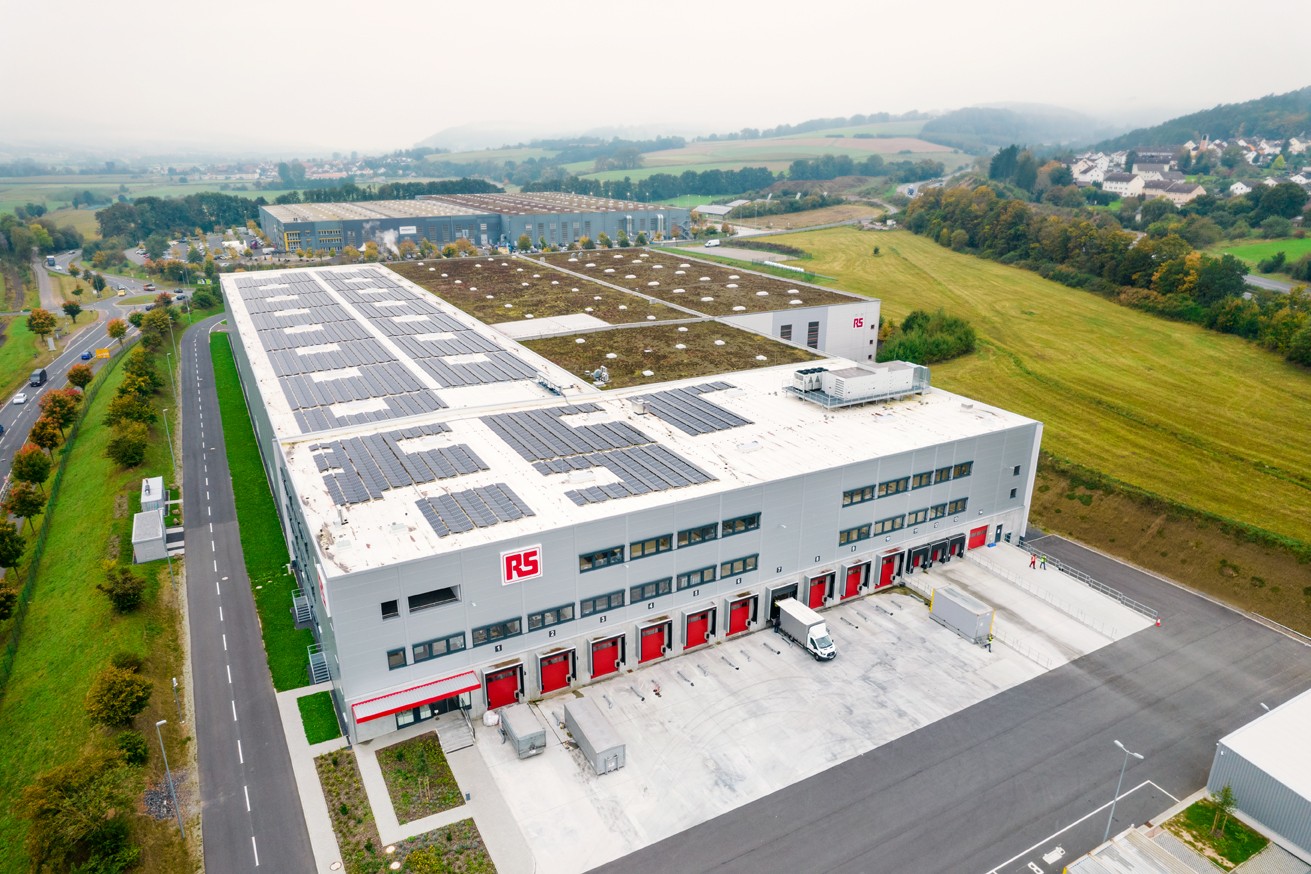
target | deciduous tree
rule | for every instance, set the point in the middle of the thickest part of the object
(61, 406)
(24, 501)
(128, 445)
(124, 589)
(81, 375)
(116, 695)
(78, 814)
(12, 544)
(73, 309)
(45, 433)
(41, 322)
(129, 408)
(117, 329)
(31, 465)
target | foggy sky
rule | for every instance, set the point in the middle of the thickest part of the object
(334, 75)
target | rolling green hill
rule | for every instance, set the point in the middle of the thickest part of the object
(1276, 116)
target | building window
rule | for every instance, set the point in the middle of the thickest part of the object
(942, 474)
(390, 609)
(894, 486)
(601, 603)
(1013, 491)
(431, 649)
(695, 578)
(590, 561)
(435, 598)
(738, 566)
(785, 333)
(647, 591)
(857, 496)
(853, 535)
(741, 524)
(917, 517)
(812, 335)
(651, 546)
(501, 630)
(395, 659)
(554, 616)
(962, 469)
(937, 511)
(920, 480)
(1015, 471)
(957, 506)
(896, 523)
(700, 534)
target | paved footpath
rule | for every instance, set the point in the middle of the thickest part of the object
(251, 816)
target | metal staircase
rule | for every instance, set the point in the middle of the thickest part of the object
(301, 609)
(319, 672)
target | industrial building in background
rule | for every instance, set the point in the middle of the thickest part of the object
(485, 220)
(474, 523)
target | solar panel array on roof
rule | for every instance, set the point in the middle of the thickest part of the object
(360, 469)
(425, 333)
(480, 507)
(556, 447)
(688, 411)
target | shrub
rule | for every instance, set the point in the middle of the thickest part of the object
(127, 661)
(132, 744)
(127, 447)
(124, 589)
(116, 696)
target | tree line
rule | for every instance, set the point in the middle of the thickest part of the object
(351, 193)
(833, 166)
(1160, 274)
(663, 186)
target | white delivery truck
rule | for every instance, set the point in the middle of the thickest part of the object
(806, 628)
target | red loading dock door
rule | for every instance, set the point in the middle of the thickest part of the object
(855, 576)
(818, 591)
(698, 628)
(607, 656)
(887, 569)
(655, 641)
(502, 687)
(556, 670)
(978, 537)
(739, 616)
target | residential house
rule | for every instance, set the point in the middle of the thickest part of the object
(1150, 172)
(1123, 184)
(1177, 193)
(1239, 188)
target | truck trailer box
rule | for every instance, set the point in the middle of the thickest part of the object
(806, 628)
(523, 730)
(962, 613)
(595, 736)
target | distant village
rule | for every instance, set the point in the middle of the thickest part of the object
(1151, 173)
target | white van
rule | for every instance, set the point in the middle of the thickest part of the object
(710, 244)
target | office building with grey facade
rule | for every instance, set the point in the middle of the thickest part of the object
(485, 220)
(473, 525)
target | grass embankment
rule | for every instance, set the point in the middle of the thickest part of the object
(21, 351)
(810, 218)
(1199, 419)
(1232, 847)
(261, 533)
(70, 632)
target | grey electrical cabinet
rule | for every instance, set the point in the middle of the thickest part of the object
(595, 736)
(523, 730)
(962, 613)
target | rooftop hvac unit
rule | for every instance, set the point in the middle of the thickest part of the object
(809, 379)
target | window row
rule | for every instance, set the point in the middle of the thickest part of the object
(429, 649)
(906, 483)
(590, 561)
(896, 523)
(424, 600)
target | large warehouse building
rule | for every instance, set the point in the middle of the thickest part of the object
(474, 524)
(1268, 766)
(483, 219)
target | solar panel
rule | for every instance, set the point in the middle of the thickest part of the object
(687, 410)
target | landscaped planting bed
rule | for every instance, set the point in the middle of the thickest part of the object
(657, 353)
(504, 289)
(318, 717)
(418, 778)
(713, 289)
(1228, 847)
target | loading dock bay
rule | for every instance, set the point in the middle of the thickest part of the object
(729, 723)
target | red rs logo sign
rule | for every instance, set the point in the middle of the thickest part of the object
(858, 322)
(521, 564)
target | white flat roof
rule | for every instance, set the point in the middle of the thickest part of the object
(379, 476)
(1276, 743)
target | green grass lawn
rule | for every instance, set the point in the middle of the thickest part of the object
(70, 632)
(1206, 419)
(1234, 846)
(261, 532)
(319, 717)
(1251, 253)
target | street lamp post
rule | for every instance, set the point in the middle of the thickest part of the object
(1116, 798)
(169, 437)
(172, 794)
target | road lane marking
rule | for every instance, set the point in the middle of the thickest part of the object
(220, 613)
(229, 669)
(256, 849)
(216, 565)
(247, 792)
(217, 590)
(211, 527)
(225, 643)
(241, 759)
(211, 546)
(234, 709)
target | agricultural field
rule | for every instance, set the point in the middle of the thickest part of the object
(1204, 419)
(813, 217)
(656, 353)
(495, 290)
(584, 168)
(1251, 253)
(56, 192)
(712, 289)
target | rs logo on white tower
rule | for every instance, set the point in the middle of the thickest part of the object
(521, 564)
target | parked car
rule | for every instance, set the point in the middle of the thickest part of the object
(149, 286)
(20, 398)
(88, 355)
